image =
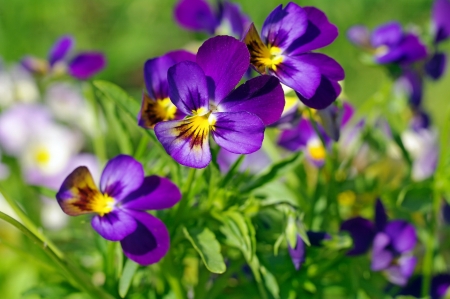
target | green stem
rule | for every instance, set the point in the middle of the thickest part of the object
(73, 274)
(97, 140)
(185, 199)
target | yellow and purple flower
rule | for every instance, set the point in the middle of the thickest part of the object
(82, 66)
(391, 241)
(204, 91)
(156, 105)
(288, 36)
(120, 206)
(198, 15)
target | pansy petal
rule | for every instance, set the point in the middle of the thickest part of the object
(410, 49)
(297, 138)
(149, 242)
(262, 96)
(87, 64)
(35, 65)
(330, 119)
(435, 67)
(154, 111)
(233, 17)
(155, 72)
(380, 215)
(359, 35)
(238, 132)
(155, 193)
(121, 176)
(440, 13)
(77, 192)
(187, 87)
(316, 238)
(402, 234)
(381, 256)
(388, 34)
(362, 232)
(299, 74)
(298, 253)
(259, 52)
(319, 33)
(439, 286)
(395, 276)
(114, 226)
(425, 165)
(407, 265)
(196, 15)
(60, 49)
(284, 25)
(186, 140)
(224, 60)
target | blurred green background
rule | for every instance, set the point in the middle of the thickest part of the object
(131, 31)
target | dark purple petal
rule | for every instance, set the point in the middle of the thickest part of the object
(121, 176)
(155, 193)
(319, 33)
(362, 232)
(389, 34)
(187, 87)
(440, 13)
(284, 25)
(238, 132)
(196, 15)
(410, 49)
(327, 89)
(149, 242)
(412, 84)
(60, 49)
(155, 72)
(262, 96)
(348, 112)
(114, 226)
(299, 73)
(298, 253)
(421, 120)
(316, 238)
(380, 215)
(86, 64)
(435, 67)
(381, 255)
(359, 35)
(402, 234)
(297, 138)
(186, 140)
(446, 212)
(439, 286)
(224, 60)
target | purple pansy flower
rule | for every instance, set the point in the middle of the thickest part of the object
(391, 241)
(81, 66)
(203, 90)
(389, 43)
(440, 284)
(156, 105)
(120, 206)
(298, 253)
(288, 36)
(198, 15)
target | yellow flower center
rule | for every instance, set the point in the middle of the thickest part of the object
(272, 57)
(316, 150)
(346, 198)
(381, 50)
(42, 156)
(101, 204)
(165, 109)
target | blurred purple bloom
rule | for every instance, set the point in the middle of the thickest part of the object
(120, 206)
(204, 91)
(391, 241)
(298, 254)
(288, 36)
(254, 162)
(198, 15)
(81, 66)
(411, 84)
(156, 106)
(436, 65)
(439, 287)
(440, 19)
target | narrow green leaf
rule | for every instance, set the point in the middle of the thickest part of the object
(238, 234)
(118, 96)
(274, 172)
(127, 277)
(207, 246)
(416, 198)
(270, 282)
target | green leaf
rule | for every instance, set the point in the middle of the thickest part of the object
(416, 198)
(51, 291)
(270, 282)
(206, 244)
(118, 96)
(127, 277)
(274, 172)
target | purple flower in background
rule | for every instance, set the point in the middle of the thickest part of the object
(156, 105)
(410, 83)
(254, 162)
(198, 15)
(438, 289)
(204, 91)
(81, 66)
(298, 253)
(391, 241)
(389, 43)
(120, 206)
(288, 36)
